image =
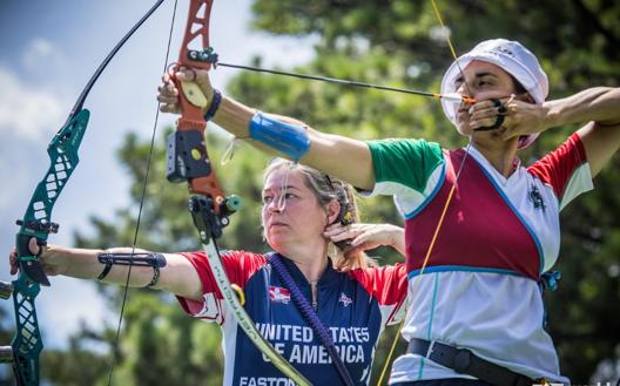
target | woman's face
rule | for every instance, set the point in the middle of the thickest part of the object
(482, 81)
(295, 219)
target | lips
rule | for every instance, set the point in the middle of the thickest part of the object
(277, 224)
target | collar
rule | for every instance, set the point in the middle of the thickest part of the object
(329, 277)
(490, 169)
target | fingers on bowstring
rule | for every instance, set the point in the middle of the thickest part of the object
(489, 114)
(500, 107)
(488, 109)
(505, 106)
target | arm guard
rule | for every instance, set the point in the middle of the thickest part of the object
(289, 139)
(140, 259)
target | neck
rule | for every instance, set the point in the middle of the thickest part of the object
(500, 154)
(312, 262)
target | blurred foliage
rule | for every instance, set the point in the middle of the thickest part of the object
(396, 43)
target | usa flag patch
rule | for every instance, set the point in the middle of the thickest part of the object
(279, 295)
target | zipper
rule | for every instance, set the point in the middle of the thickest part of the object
(314, 293)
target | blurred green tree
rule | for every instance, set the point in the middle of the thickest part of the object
(393, 42)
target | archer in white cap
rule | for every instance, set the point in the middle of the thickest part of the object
(482, 231)
(529, 80)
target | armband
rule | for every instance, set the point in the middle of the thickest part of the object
(289, 139)
(140, 259)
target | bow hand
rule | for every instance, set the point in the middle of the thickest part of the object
(196, 87)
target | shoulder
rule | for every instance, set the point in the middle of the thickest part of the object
(238, 256)
(239, 265)
(387, 283)
(565, 170)
(405, 146)
(405, 161)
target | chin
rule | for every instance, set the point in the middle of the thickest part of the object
(277, 242)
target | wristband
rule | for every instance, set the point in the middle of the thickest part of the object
(215, 104)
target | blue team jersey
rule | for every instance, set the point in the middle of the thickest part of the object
(355, 306)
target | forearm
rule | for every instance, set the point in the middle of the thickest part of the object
(599, 104)
(343, 157)
(398, 240)
(84, 264)
(234, 117)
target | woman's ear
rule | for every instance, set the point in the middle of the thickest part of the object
(333, 210)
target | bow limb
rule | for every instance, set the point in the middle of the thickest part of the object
(189, 161)
(27, 343)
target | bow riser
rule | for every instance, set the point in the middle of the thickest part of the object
(196, 53)
(63, 155)
(195, 49)
(27, 343)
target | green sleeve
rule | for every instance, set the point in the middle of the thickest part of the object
(408, 162)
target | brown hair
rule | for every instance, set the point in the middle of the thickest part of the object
(326, 189)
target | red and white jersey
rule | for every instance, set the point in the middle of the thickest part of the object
(479, 289)
(355, 307)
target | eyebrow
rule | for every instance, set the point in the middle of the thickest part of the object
(477, 76)
(287, 187)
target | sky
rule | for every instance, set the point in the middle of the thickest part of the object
(48, 51)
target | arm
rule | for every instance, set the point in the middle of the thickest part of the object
(369, 236)
(178, 276)
(600, 107)
(342, 157)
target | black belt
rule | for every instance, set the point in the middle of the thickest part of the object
(463, 361)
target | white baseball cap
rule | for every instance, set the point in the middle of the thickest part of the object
(512, 57)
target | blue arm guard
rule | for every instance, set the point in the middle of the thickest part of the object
(290, 140)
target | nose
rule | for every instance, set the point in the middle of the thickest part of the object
(468, 95)
(465, 90)
(274, 206)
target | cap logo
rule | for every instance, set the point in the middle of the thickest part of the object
(506, 51)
